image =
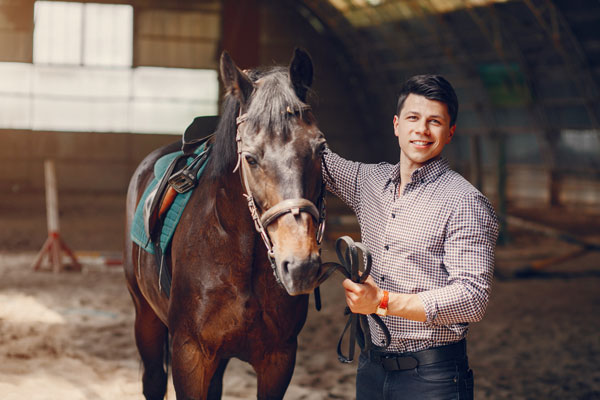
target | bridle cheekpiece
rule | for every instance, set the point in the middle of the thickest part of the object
(293, 206)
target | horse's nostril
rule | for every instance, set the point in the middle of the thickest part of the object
(285, 267)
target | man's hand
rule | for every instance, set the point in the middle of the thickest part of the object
(365, 298)
(362, 298)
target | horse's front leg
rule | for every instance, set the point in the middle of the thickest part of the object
(274, 371)
(193, 368)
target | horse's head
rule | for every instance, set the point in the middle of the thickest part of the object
(280, 147)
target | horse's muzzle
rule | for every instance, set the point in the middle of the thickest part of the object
(300, 276)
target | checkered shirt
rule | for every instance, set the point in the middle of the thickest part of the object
(436, 240)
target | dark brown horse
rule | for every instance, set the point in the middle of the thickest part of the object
(225, 300)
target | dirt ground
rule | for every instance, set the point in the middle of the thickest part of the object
(69, 336)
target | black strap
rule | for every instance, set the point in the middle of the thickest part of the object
(164, 275)
(160, 191)
(357, 323)
(317, 294)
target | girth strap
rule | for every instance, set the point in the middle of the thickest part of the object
(358, 323)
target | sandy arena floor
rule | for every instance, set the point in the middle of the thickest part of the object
(69, 336)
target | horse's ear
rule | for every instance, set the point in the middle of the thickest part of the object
(301, 73)
(236, 82)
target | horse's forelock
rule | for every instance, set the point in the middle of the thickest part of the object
(267, 111)
(270, 100)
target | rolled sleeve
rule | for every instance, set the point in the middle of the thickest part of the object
(469, 261)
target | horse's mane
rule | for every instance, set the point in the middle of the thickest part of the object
(224, 152)
(268, 105)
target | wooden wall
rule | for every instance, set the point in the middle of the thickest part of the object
(16, 30)
(191, 34)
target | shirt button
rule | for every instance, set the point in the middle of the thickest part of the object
(382, 278)
(393, 215)
(386, 247)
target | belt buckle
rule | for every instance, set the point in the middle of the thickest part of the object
(182, 181)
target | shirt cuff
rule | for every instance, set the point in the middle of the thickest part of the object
(430, 306)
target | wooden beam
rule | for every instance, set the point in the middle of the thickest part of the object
(241, 31)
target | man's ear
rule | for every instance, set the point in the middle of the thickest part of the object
(395, 123)
(451, 135)
(236, 82)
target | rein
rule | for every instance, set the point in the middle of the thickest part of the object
(293, 206)
(349, 267)
(358, 323)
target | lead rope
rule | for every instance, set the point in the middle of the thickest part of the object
(358, 323)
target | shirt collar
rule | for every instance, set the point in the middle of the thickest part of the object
(427, 173)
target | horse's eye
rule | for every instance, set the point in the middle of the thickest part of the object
(251, 160)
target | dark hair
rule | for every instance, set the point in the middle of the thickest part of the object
(432, 87)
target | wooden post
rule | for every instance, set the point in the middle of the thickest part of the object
(241, 31)
(554, 187)
(54, 244)
(503, 237)
(475, 168)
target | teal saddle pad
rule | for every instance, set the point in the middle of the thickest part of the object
(173, 215)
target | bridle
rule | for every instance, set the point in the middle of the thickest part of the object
(357, 325)
(293, 206)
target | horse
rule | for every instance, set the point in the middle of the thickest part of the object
(245, 254)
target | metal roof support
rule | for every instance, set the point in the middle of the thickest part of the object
(546, 134)
(373, 15)
(354, 67)
(468, 71)
(466, 63)
(579, 71)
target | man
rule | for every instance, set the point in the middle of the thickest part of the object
(432, 236)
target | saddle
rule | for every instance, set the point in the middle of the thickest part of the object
(180, 177)
(194, 134)
(176, 178)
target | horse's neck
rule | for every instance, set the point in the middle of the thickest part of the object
(229, 189)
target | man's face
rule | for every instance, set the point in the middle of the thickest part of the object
(423, 129)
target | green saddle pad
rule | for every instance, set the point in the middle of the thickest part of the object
(173, 215)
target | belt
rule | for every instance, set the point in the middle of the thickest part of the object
(405, 361)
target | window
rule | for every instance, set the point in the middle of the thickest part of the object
(81, 78)
(82, 34)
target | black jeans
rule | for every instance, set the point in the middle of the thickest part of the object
(444, 380)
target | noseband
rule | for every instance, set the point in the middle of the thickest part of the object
(293, 206)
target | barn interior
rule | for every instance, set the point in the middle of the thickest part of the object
(95, 86)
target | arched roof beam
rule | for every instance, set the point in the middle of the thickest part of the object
(354, 66)
(579, 71)
(545, 132)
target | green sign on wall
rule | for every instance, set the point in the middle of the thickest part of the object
(505, 84)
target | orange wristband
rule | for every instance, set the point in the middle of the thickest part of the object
(383, 305)
(384, 299)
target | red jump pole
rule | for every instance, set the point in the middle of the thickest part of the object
(54, 245)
